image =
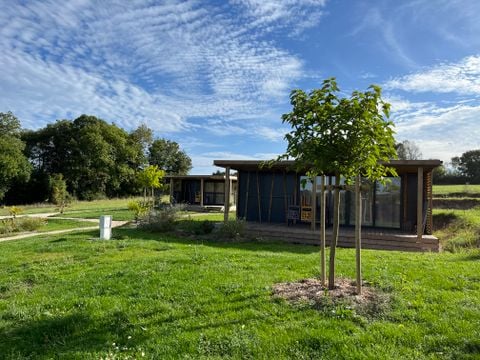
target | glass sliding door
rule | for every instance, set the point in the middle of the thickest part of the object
(387, 203)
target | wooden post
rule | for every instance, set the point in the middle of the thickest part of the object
(420, 204)
(314, 203)
(259, 200)
(202, 187)
(285, 196)
(246, 196)
(226, 206)
(323, 271)
(358, 232)
(333, 242)
(171, 191)
(271, 198)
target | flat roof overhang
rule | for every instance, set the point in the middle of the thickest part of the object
(199, 177)
(402, 166)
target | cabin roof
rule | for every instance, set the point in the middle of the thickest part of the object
(199, 177)
(402, 166)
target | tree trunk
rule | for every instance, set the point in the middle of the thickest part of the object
(358, 233)
(333, 243)
(322, 232)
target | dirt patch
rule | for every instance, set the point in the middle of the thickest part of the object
(371, 303)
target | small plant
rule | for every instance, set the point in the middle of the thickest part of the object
(14, 211)
(58, 192)
(30, 224)
(139, 209)
(232, 229)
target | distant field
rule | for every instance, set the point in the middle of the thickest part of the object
(76, 206)
(447, 190)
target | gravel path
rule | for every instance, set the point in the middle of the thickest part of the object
(54, 232)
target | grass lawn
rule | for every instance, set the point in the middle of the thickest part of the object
(163, 297)
(449, 190)
(52, 224)
(75, 207)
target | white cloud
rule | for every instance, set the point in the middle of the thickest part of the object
(161, 64)
(462, 77)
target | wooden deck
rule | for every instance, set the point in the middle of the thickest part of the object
(371, 238)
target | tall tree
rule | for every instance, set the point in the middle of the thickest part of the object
(13, 163)
(168, 156)
(346, 137)
(408, 150)
(468, 165)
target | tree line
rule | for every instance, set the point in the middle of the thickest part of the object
(94, 158)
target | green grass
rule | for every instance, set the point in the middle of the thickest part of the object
(455, 190)
(75, 207)
(457, 229)
(52, 224)
(71, 297)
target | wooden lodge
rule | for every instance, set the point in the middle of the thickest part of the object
(279, 202)
(200, 192)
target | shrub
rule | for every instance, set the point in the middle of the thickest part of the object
(8, 226)
(197, 227)
(232, 229)
(30, 223)
(14, 211)
(139, 209)
(160, 220)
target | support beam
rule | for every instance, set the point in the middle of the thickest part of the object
(202, 187)
(226, 206)
(314, 203)
(171, 191)
(420, 204)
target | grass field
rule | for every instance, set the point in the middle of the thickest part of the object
(153, 296)
(75, 207)
(52, 224)
(457, 227)
(446, 190)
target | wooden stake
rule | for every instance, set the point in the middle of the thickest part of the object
(322, 232)
(285, 196)
(333, 243)
(314, 203)
(358, 233)
(271, 198)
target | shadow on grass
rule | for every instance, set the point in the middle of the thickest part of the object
(67, 336)
(443, 220)
(250, 245)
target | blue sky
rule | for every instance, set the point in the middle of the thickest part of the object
(215, 76)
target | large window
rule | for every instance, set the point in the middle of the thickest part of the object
(387, 203)
(214, 193)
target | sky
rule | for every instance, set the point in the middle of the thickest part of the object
(215, 76)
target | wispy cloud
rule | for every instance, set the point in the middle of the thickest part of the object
(462, 77)
(163, 64)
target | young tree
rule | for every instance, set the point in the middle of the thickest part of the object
(13, 163)
(167, 155)
(346, 137)
(150, 178)
(58, 191)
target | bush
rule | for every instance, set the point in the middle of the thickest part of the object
(30, 223)
(232, 229)
(197, 227)
(8, 226)
(139, 209)
(161, 220)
